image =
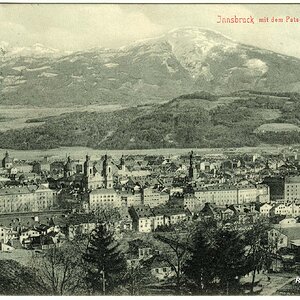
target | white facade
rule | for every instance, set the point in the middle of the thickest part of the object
(265, 209)
(22, 199)
(223, 195)
(154, 198)
(292, 188)
(104, 198)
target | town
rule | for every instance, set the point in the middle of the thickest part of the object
(47, 203)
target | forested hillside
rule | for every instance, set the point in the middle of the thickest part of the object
(196, 120)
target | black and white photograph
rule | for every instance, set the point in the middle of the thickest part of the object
(149, 149)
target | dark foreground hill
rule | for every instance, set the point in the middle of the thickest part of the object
(196, 120)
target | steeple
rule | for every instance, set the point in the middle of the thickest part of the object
(7, 162)
(107, 173)
(191, 168)
(87, 167)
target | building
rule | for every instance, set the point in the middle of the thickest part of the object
(292, 188)
(166, 216)
(192, 203)
(142, 218)
(104, 198)
(265, 209)
(26, 198)
(92, 178)
(80, 224)
(7, 234)
(285, 237)
(154, 197)
(223, 195)
(161, 269)
(69, 168)
(98, 174)
(133, 198)
(7, 161)
(41, 166)
(147, 219)
(286, 209)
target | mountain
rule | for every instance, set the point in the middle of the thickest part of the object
(154, 70)
(197, 120)
(37, 50)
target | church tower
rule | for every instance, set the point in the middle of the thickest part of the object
(122, 164)
(92, 178)
(7, 161)
(192, 169)
(88, 167)
(69, 168)
(107, 173)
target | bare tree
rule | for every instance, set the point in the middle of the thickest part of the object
(177, 252)
(260, 250)
(60, 270)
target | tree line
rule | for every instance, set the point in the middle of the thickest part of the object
(206, 260)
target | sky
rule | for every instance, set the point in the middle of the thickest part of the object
(83, 26)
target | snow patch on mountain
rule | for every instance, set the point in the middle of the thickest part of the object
(38, 69)
(193, 45)
(111, 65)
(257, 65)
(20, 68)
(48, 75)
(37, 50)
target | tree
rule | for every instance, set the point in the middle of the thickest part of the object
(106, 265)
(198, 268)
(260, 250)
(60, 270)
(16, 279)
(177, 251)
(217, 260)
(138, 277)
(229, 251)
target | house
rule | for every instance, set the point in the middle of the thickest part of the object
(6, 248)
(80, 224)
(285, 237)
(154, 197)
(138, 250)
(286, 222)
(133, 198)
(142, 217)
(7, 234)
(265, 209)
(278, 209)
(192, 203)
(293, 209)
(210, 211)
(26, 235)
(161, 269)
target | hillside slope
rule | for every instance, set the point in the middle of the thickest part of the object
(181, 61)
(199, 120)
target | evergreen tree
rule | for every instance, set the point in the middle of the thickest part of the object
(199, 267)
(218, 260)
(230, 261)
(106, 265)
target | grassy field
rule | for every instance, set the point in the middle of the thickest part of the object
(277, 127)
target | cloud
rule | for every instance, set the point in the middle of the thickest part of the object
(73, 26)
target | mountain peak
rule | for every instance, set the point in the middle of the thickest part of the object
(192, 45)
(198, 31)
